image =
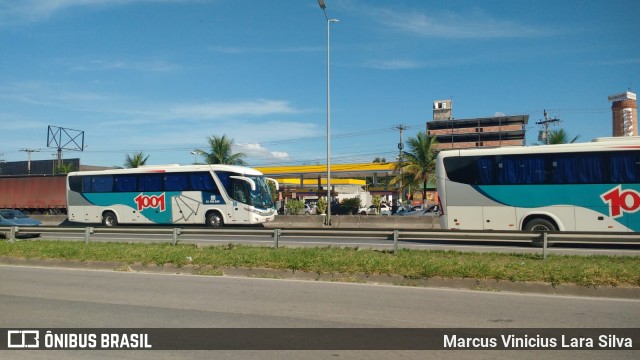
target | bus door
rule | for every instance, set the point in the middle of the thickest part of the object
(238, 212)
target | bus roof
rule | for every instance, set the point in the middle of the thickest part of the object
(601, 144)
(172, 168)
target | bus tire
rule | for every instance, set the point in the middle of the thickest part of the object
(214, 219)
(539, 224)
(109, 219)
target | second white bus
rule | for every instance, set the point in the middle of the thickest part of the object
(591, 186)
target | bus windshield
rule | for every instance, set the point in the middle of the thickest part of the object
(240, 189)
(261, 196)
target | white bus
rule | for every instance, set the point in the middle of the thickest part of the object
(591, 186)
(170, 194)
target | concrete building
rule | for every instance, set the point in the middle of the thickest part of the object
(480, 132)
(443, 110)
(624, 109)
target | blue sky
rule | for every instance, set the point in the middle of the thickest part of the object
(160, 76)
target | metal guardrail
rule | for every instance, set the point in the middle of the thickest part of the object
(540, 239)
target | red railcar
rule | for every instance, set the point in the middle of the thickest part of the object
(34, 194)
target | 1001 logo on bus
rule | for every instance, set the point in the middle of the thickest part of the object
(146, 201)
(621, 202)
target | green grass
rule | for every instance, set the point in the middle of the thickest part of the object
(411, 264)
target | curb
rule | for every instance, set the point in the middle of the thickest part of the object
(489, 285)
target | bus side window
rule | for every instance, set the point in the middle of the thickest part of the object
(202, 181)
(625, 167)
(126, 183)
(102, 183)
(75, 183)
(175, 182)
(150, 182)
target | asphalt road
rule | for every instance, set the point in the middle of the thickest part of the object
(65, 298)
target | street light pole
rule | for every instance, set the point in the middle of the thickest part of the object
(323, 6)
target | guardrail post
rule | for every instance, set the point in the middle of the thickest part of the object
(176, 233)
(87, 234)
(12, 233)
(276, 237)
(396, 234)
(545, 242)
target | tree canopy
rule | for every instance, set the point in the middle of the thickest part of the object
(221, 151)
(138, 159)
(417, 165)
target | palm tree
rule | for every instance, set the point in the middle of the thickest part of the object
(560, 136)
(138, 159)
(418, 164)
(221, 152)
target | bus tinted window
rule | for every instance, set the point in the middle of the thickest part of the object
(463, 169)
(176, 182)
(561, 168)
(102, 183)
(521, 170)
(150, 182)
(75, 183)
(202, 182)
(625, 167)
(126, 183)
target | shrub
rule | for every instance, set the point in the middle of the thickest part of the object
(350, 206)
(295, 206)
(321, 205)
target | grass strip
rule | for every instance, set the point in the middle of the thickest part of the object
(597, 270)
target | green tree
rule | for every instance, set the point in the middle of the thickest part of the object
(138, 159)
(560, 136)
(64, 168)
(380, 160)
(221, 151)
(418, 164)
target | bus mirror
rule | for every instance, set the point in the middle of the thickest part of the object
(274, 181)
(244, 178)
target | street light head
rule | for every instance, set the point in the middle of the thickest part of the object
(322, 4)
(334, 20)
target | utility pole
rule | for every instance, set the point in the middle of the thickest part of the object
(29, 151)
(544, 134)
(401, 128)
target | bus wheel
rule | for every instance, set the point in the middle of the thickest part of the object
(109, 219)
(214, 219)
(540, 225)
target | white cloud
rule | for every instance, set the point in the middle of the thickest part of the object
(228, 109)
(153, 65)
(446, 24)
(397, 64)
(280, 155)
(250, 50)
(14, 11)
(258, 151)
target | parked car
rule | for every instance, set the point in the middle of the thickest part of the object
(10, 217)
(372, 210)
(309, 210)
(418, 211)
